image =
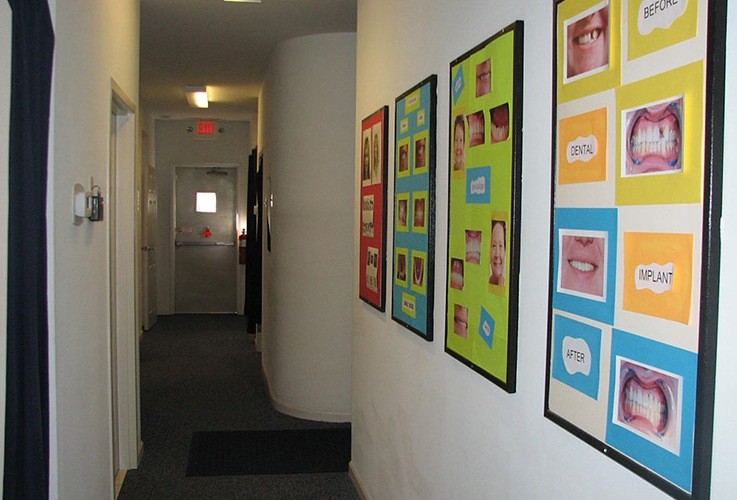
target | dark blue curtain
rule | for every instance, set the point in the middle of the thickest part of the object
(27, 398)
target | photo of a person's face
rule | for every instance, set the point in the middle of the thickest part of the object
(419, 215)
(483, 78)
(587, 43)
(418, 271)
(473, 246)
(377, 145)
(648, 402)
(420, 153)
(460, 320)
(376, 166)
(477, 128)
(498, 252)
(402, 213)
(499, 123)
(582, 264)
(459, 143)
(366, 160)
(654, 138)
(402, 267)
(456, 274)
(404, 157)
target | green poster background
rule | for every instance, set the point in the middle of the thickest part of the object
(468, 211)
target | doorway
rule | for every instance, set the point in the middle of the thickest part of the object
(205, 239)
(120, 222)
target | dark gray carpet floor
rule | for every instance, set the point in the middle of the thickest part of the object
(202, 373)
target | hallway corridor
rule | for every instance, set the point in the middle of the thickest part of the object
(202, 373)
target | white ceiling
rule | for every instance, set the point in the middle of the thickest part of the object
(225, 46)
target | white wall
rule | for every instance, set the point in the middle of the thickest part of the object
(426, 426)
(5, 43)
(175, 146)
(96, 41)
(306, 110)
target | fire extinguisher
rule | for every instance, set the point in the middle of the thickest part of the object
(242, 248)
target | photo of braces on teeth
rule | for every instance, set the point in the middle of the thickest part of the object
(418, 271)
(582, 265)
(648, 403)
(654, 138)
(477, 128)
(587, 43)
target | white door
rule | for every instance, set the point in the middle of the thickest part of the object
(205, 240)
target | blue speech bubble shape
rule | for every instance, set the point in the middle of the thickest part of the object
(486, 328)
(459, 84)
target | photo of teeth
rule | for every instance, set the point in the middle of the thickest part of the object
(654, 138)
(473, 246)
(477, 128)
(499, 123)
(587, 43)
(648, 403)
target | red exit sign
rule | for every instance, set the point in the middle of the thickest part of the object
(206, 128)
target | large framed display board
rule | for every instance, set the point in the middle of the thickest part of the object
(485, 177)
(636, 194)
(413, 275)
(372, 260)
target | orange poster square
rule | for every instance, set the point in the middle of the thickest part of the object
(658, 275)
(582, 155)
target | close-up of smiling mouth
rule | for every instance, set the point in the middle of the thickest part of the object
(655, 139)
(584, 267)
(588, 38)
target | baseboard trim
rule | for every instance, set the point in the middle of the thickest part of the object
(358, 482)
(119, 480)
(305, 413)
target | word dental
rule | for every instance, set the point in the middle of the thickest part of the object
(659, 6)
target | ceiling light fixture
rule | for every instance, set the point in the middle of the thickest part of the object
(196, 96)
(244, 1)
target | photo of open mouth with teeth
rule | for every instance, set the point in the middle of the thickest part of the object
(648, 403)
(460, 320)
(419, 217)
(420, 153)
(418, 271)
(404, 157)
(483, 78)
(499, 123)
(473, 246)
(456, 274)
(654, 138)
(581, 267)
(477, 128)
(587, 43)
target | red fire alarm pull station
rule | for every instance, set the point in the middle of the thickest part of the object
(206, 127)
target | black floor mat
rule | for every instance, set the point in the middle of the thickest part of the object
(232, 453)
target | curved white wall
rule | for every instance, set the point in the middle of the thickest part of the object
(307, 111)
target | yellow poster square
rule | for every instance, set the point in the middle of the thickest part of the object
(656, 24)
(419, 272)
(660, 138)
(658, 275)
(588, 47)
(421, 144)
(582, 147)
(403, 158)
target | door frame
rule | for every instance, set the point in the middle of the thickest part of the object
(240, 222)
(123, 315)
